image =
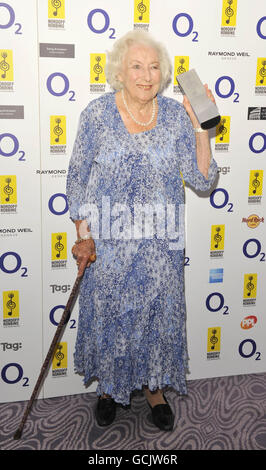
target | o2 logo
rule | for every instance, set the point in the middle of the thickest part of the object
(222, 201)
(96, 14)
(223, 82)
(11, 18)
(64, 85)
(51, 203)
(251, 142)
(52, 319)
(190, 25)
(13, 148)
(12, 373)
(215, 302)
(254, 253)
(248, 348)
(187, 261)
(10, 263)
(259, 24)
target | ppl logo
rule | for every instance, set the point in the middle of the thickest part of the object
(248, 322)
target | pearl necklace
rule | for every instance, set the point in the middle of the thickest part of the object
(134, 119)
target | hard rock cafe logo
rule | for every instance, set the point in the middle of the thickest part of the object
(6, 70)
(229, 10)
(253, 220)
(141, 14)
(56, 14)
(181, 65)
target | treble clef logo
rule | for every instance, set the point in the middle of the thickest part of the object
(250, 286)
(4, 66)
(59, 355)
(97, 68)
(222, 129)
(255, 183)
(229, 11)
(10, 304)
(8, 190)
(141, 9)
(59, 246)
(57, 130)
(262, 71)
(217, 237)
(213, 339)
(181, 68)
(56, 4)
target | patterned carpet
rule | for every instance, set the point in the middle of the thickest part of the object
(226, 413)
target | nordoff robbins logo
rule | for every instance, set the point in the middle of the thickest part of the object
(135, 222)
(253, 220)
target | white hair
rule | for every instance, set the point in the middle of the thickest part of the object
(116, 56)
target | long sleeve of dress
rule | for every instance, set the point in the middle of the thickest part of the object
(186, 147)
(80, 166)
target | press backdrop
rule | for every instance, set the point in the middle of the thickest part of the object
(52, 59)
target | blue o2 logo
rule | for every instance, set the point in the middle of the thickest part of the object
(7, 13)
(10, 263)
(252, 249)
(12, 373)
(259, 27)
(97, 16)
(253, 142)
(215, 302)
(219, 199)
(9, 146)
(55, 200)
(52, 319)
(225, 88)
(183, 26)
(64, 85)
(52, 312)
(248, 348)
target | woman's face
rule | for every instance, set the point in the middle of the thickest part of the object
(140, 74)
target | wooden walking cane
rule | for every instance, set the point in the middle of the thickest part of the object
(63, 321)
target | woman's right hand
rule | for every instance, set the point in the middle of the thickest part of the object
(82, 252)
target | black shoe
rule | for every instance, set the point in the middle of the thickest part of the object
(105, 411)
(162, 416)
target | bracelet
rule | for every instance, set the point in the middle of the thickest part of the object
(199, 129)
(87, 237)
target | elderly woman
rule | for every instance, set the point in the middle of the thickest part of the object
(133, 152)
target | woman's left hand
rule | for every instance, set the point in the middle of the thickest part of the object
(189, 109)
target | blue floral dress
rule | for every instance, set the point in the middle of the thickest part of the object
(130, 189)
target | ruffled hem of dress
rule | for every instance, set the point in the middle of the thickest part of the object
(124, 399)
